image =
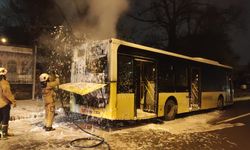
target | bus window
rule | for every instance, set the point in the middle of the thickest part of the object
(125, 74)
(181, 79)
(213, 79)
(166, 78)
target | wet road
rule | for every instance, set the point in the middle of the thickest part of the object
(239, 113)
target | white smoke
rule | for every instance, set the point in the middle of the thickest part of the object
(97, 19)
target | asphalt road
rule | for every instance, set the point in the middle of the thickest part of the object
(239, 113)
(230, 130)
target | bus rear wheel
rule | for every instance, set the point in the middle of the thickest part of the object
(170, 110)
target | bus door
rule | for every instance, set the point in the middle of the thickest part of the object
(145, 82)
(195, 89)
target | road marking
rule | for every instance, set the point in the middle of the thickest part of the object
(234, 118)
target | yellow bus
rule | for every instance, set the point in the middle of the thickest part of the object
(119, 80)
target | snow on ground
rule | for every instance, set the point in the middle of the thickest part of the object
(27, 123)
(27, 109)
(181, 133)
(193, 124)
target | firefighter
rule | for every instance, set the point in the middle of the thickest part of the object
(48, 94)
(6, 100)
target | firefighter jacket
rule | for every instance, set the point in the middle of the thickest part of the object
(48, 92)
(6, 96)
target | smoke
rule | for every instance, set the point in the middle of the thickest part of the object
(97, 19)
(87, 20)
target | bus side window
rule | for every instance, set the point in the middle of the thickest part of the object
(125, 74)
(181, 79)
(213, 79)
(166, 78)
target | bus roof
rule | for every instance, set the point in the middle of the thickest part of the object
(197, 59)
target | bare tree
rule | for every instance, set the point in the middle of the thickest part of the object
(174, 17)
(191, 27)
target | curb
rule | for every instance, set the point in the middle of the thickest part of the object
(247, 98)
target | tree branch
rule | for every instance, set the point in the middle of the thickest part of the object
(142, 20)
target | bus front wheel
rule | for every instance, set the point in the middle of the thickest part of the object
(170, 110)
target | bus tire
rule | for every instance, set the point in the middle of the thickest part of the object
(220, 103)
(170, 110)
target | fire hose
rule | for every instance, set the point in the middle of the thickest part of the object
(98, 139)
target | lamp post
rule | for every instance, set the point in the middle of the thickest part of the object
(34, 72)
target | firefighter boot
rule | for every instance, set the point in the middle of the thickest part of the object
(49, 129)
(4, 132)
(9, 133)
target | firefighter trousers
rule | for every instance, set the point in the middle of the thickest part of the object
(49, 114)
(5, 114)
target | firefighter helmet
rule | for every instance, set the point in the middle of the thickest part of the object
(3, 71)
(44, 77)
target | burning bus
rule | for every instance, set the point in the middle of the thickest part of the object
(119, 80)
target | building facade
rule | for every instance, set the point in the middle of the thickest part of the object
(19, 63)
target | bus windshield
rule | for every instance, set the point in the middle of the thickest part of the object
(90, 63)
(89, 74)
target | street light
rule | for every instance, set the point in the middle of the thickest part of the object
(4, 40)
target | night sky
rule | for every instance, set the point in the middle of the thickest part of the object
(241, 43)
(241, 35)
